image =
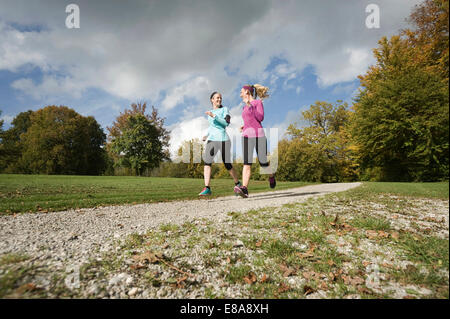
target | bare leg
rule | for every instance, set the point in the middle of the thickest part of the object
(207, 174)
(246, 172)
(234, 175)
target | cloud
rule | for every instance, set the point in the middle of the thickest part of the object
(140, 49)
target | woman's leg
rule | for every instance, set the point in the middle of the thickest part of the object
(246, 173)
(226, 159)
(207, 174)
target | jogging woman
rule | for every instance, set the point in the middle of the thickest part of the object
(253, 134)
(219, 119)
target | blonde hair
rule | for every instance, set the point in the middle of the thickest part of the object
(258, 90)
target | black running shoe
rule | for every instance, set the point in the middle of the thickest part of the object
(272, 182)
(241, 191)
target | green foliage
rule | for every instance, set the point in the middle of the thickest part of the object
(140, 159)
(320, 151)
(139, 145)
(12, 144)
(54, 140)
(401, 118)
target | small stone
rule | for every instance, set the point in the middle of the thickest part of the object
(132, 291)
(238, 243)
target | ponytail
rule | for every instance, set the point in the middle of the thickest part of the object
(257, 90)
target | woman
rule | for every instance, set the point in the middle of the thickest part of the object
(219, 119)
(253, 134)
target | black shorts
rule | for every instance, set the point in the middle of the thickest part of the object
(249, 144)
(212, 147)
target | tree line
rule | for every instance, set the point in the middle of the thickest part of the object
(397, 128)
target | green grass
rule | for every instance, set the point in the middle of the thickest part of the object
(32, 193)
(425, 190)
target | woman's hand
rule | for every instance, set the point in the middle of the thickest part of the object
(210, 113)
(204, 138)
(241, 129)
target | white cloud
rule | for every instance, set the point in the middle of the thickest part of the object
(137, 50)
(7, 120)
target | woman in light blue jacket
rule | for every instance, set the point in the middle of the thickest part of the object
(219, 119)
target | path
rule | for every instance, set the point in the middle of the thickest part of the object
(76, 234)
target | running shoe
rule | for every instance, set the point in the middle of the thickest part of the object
(272, 182)
(205, 192)
(237, 185)
(241, 191)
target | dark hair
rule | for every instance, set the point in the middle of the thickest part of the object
(212, 95)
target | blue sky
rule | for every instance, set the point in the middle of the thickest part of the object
(174, 54)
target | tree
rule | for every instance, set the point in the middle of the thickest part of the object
(139, 145)
(12, 142)
(191, 169)
(121, 124)
(429, 38)
(61, 141)
(320, 151)
(401, 119)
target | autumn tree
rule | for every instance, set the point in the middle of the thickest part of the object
(321, 150)
(401, 120)
(12, 143)
(429, 36)
(61, 141)
(122, 125)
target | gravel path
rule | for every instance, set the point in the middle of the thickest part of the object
(78, 234)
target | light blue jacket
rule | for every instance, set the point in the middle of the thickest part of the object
(218, 124)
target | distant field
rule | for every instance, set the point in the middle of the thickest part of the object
(31, 193)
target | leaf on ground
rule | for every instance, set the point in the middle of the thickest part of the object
(26, 287)
(383, 234)
(371, 234)
(286, 270)
(307, 290)
(258, 243)
(305, 255)
(250, 279)
(149, 257)
(264, 278)
(283, 288)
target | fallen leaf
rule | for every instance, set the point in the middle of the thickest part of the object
(258, 243)
(286, 270)
(366, 263)
(371, 234)
(148, 256)
(305, 255)
(395, 235)
(264, 278)
(383, 234)
(307, 290)
(283, 287)
(250, 279)
(330, 262)
(228, 260)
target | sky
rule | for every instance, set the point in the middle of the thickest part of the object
(174, 54)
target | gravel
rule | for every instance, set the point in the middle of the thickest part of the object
(77, 235)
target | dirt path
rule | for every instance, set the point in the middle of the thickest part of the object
(76, 234)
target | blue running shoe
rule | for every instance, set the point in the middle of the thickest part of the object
(205, 192)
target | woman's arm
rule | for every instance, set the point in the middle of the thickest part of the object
(258, 110)
(225, 120)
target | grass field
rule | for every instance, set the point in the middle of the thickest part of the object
(31, 193)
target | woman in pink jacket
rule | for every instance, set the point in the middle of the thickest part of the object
(253, 134)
